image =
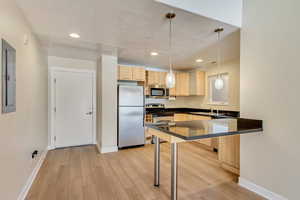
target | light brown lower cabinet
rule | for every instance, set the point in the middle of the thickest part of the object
(229, 153)
(228, 147)
(207, 143)
(178, 117)
(188, 117)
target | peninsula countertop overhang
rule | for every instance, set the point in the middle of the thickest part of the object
(200, 129)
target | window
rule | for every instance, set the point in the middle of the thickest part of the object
(8, 78)
(218, 96)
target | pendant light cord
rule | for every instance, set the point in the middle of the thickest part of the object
(170, 45)
(219, 55)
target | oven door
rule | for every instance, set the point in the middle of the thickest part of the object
(157, 92)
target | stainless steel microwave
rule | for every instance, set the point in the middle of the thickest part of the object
(159, 92)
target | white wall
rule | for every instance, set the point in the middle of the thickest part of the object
(69, 51)
(232, 68)
(25, 130)
(270, 91)
(107, 73)
(229, 11)
(54, 61)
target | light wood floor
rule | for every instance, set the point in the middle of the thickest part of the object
(79, 173)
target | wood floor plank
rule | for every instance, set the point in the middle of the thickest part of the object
(81, 173)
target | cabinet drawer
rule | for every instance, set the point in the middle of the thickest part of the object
(181, 117)
(200, 117)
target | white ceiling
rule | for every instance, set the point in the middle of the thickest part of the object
(133, 27)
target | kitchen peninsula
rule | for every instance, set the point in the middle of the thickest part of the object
(185, 131)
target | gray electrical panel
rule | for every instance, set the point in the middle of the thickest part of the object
(8, 78)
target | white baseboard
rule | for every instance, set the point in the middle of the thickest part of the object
(108, 149)
(50, 148)
(260, 190)
(32, 176)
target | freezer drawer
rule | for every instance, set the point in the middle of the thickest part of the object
(131, 126)
(131, 95)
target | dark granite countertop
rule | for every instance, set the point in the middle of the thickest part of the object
(159, 112)
(200, 129)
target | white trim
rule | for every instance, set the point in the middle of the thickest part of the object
(32, 176)
(260, 190)
(108, 149)
(65, 69)
(50, 148)
(52, 70)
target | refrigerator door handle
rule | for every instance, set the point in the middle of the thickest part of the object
(144, 113)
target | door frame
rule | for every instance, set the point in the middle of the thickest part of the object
(51, 102)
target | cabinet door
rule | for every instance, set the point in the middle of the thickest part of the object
(182, 117)
(172, 91)
(197, 83)
(152, 78)
(178, 84)
(185, 84)
(200, 83)
(182, 84)
(207, 142)
(200, 117)
(162, 78)
(167, 118)
(157, 79)
(179, 117)
(125, 73)
(138, 74)
(229, 153)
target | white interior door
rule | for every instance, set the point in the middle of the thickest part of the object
(73, 100)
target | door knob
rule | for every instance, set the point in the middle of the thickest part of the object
(89, 113)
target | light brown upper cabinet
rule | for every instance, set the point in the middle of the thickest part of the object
(128, 73)
(197, 83)
(152, 78)
(162, 78)
(182, 83)
(125, 73)
(156, 78)
(172, 91)
(138, 74)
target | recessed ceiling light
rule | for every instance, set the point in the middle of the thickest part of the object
(154, 53)
(74, 35)
(199, 60)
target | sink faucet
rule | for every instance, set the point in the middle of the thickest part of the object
(212, 111)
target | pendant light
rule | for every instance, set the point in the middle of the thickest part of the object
(170, 78)
(219, 82)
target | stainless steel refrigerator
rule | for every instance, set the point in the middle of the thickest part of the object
(130, 116)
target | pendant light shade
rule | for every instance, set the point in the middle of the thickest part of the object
(219, 83)
(170, 78)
